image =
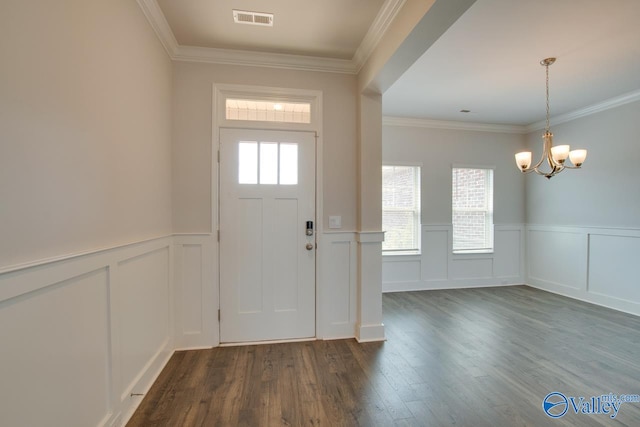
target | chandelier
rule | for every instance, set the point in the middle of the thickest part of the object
(555, 156)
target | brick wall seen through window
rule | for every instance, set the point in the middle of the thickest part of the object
(472, 209)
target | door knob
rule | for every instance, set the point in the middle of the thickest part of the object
(309, 246)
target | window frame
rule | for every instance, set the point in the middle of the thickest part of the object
(489, 213)
(264, 110)
(222, 92)
(417, 211)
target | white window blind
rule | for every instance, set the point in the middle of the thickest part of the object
(472, 210)
(401, 209)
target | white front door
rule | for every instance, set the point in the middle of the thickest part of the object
(267, 260)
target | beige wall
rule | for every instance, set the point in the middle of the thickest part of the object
(85, 138)
(370, 163)
(192, 139)
(604, 192)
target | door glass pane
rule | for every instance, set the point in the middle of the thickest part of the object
(248, 163)
(268, 163)
(288, 164)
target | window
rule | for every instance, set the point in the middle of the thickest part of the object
(267, 163)
(401, 209)
(472, 210)
(267, 111)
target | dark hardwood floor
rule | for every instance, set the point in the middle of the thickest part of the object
(474, 357)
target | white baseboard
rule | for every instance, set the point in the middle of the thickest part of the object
(143, 386)
(445, 284)
(370, 333)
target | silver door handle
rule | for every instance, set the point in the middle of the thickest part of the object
(309, 246)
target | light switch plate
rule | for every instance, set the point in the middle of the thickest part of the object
(335, 221)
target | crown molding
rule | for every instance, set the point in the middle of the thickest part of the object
(262, 59)
(385, 17)
(159, 23)
(176, 52)
(483, 127)
(587, 111)
(452, 125)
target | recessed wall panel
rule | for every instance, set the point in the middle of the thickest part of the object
(507, 245)
(144, 308)
(400, 271)
(285, 249)
(558, 257)
(54, 354)
(613, 261)
(337, 280)
(472, 268)
(435, 250)
(249, 237)
(191, 297)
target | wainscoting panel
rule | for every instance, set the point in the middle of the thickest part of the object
(144, 313)
(191, 281)
(472, 268)
(508, 263)
(435, 251)
(338, 280)
(83, 335)
(196, 292)
(438, 268)
(56, 347)
(597, 265)
(610, 259)
(557, 256)
(402, 269)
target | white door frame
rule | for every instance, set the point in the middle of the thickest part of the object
(220, 93)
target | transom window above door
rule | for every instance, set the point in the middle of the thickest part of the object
(268, 163)
(267, 111)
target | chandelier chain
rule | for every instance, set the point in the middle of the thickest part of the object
(547, 67)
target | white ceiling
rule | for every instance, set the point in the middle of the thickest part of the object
(486, 62)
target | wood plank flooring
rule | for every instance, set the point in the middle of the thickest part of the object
(469, 357)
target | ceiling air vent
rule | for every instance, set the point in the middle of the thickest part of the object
(253, 18)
